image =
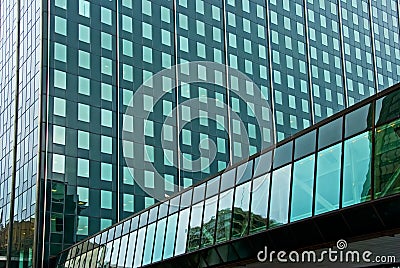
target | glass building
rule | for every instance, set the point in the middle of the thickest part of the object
(340, 166)
(91, 135)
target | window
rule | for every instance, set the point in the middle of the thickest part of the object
(195, 227)
(259, 204)
(241, 210)
(83, 86)
(302, 188)
(106, 41)
(106, 199)
(106, 118)
(106, 145)
(60, 52)
(84, 33)
(224, 222)
(83, 112)
(170, 236)
(357, 169)
(83, 59)
(129, 205)
(210, 211)
(60, 25)
(84, 8)
(59, 135)
(279, 205)
(182, 232)
(83, 224)
(106, 66)
(106, 172)
(106, 16)
(60, 79)
(83, 168)
(83, 196)
(83, 140)
(59, 107)
(58, 163)
(328, 179)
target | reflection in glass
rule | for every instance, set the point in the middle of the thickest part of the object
(283, 154)
(357, 170)
(259, 204)
(240, 223)
(159, 240)
(244, 172)
(302, 189)
(328, 179)
(108, 249)
(139, 247)
(279, 205)
(387, 160)
(208, 230)
(186, 199)
(305, 145)
(181, 236)
(263, 164)
(170, 236)
(228, 179)
(122, 251)
(195, 227)
(198, 194)
(212, 187)
(114, 256)
(387, 108)
(224, 216)
(330, 133)
(148, 249)
(358, 120)
(131, 249)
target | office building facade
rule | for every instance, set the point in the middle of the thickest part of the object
(71, 80)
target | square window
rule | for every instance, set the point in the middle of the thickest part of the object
(83, 112)
(106, 66)
(106, 144)
(147, 54)
(83, 168)
(129, 204)
(83, 59)
(106, 16)
(60, 25)
(106, 118)
(147, 31)
(83, 86)
(106, 41)
(148, 179)
(60, 52)
(165, 15)
(61, 4)
(105, 223)
(83, 224)
(59, 135)
(127, 23)
(84, 8)
(59, 107)
(83, 140)
(106, 199)
(58, 163)
(83, 196)
(127, 48)
(106, 92)
(84, 33)
(60, 79)
(106, 172)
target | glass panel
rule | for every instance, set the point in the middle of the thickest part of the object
(198, 194)
(283, 154)
(330, 133)
(153, 214)
(114, 256)
(263, 164)
(305, 144)
(131, 249)
(107, 257)
(174, 204)
(259, 204)
(139, 247)
(357, 170)
(279, 206)
(159, 241)
(328, 179)
(195, 227)
(122, 251)
(208, 231)
(163, 209)
(181, 236)
(244, 172)
(134, 223)
(241, 210)
(224, 216)
(126, 227)
(212, 187)
(148, 249)
(170, 236)
(186, 199)
(302, 188)
(228, 179)
(387, 108)
(143, 219)
(358, 121)
(387, 161)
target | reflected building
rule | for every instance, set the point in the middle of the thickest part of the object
(342, 178)
(103, 114)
